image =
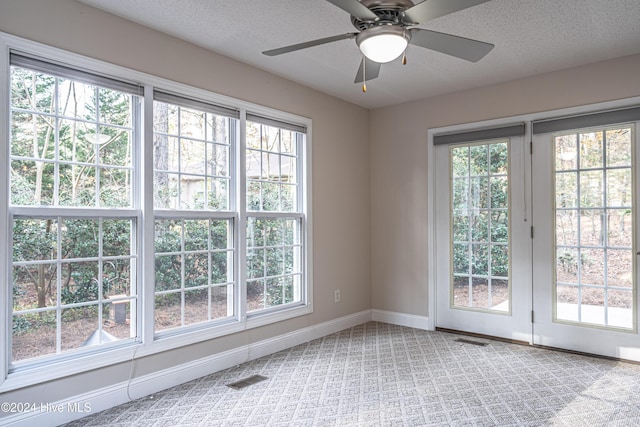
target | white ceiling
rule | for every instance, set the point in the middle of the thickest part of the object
(530, 37)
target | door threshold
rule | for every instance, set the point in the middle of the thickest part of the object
(543, 347)
(582, 353)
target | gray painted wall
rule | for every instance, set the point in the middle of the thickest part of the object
(399, 148)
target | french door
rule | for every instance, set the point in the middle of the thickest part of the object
(584, 250)
(483, 252)
(540, 244)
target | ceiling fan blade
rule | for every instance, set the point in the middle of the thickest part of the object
(460, 47)
(298, 46)
(431, 9)
(355, 8)
(372, 70)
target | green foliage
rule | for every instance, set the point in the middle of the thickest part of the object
(461, 258)
(168, 300)
(480, 202)
(35, 239)
(36, 134)
(499, 261)
(205, 256)
(85, 287)
(480, 259)
(271, 258)
(21, 325)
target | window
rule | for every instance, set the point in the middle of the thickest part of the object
(194, 271)
(194, 239)
(480, 225)
(594, 227)
(274, 219)
(75, 252)
(222, 214)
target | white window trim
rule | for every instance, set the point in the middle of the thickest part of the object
(5, 292)
(148, 344)
(489, 210)
(263, 316)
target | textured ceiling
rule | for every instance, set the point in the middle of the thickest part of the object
(530, 37)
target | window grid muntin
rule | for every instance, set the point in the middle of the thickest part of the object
(603, 208)
(101, 302)
(209, 141)
(277, 214)
(230, 284)
(469, 208)
(261, 151)
(58, 116)
(296, 272)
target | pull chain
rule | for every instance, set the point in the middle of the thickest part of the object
(404, 55)
(364, 75)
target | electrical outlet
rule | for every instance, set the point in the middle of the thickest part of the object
(336, 295)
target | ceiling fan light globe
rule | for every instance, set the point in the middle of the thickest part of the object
(383, 44)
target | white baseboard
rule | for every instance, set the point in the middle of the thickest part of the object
(64, 411)
(82, 405)
(402, 319)
(98, 400)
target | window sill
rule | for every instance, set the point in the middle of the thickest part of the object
(72, 365)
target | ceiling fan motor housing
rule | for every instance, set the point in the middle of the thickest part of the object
(389, 12)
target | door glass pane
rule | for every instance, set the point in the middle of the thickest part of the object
(594, 228)
(480, 226)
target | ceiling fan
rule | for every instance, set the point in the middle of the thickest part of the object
(385, 31)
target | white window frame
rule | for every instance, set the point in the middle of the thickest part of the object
(229, 213)
(296, 214)
(605, 247)
(489, 210)
(148, 344)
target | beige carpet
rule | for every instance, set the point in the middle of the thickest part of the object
(383, 375)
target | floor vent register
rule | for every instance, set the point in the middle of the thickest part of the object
(246, 382)
(466, 341)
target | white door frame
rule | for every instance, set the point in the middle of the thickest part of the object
(431, 176)
(513, 324)
(548, 332)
